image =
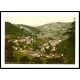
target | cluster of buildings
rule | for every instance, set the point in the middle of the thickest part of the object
(37, 53)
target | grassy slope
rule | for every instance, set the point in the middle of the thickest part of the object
(18, 55)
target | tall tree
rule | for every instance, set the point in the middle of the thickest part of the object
(9, 50)
(67, 47)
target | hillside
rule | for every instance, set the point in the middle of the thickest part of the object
(28, 28)
(19, 29)
(54, 29)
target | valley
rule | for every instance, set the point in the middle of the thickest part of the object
(36, 45)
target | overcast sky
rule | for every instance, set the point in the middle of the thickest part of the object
(38, 19)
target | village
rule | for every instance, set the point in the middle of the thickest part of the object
(34, 46)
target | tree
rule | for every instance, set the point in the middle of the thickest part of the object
(49, 49)
(49, 61)
(53, 60)
(24, 60)
(36, 60)
(67, 47)
(71, 39)
(9, 50)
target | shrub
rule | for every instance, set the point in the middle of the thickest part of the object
(37, 60)
(24, 60)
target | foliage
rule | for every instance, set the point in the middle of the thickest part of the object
(24, 60)
(48, 50)
(67, 47)
(14, 30)
(9, 50)
(36, 60)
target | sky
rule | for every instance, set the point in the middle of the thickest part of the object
(36, 20)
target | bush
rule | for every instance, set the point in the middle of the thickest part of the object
(24, 60)
(14, 59)
(36, 60)
(49, 61)
(58, 60)
(54, 60)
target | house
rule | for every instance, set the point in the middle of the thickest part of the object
(61, 54)
(60, 40)
(15, 48)
(33, 53)
(15, 41)
(54, 48)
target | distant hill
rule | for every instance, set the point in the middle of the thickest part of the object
(10, 28)
(28, 28)
(19, 29)
(54, 29)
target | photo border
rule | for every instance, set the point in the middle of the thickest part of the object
(36, 67)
